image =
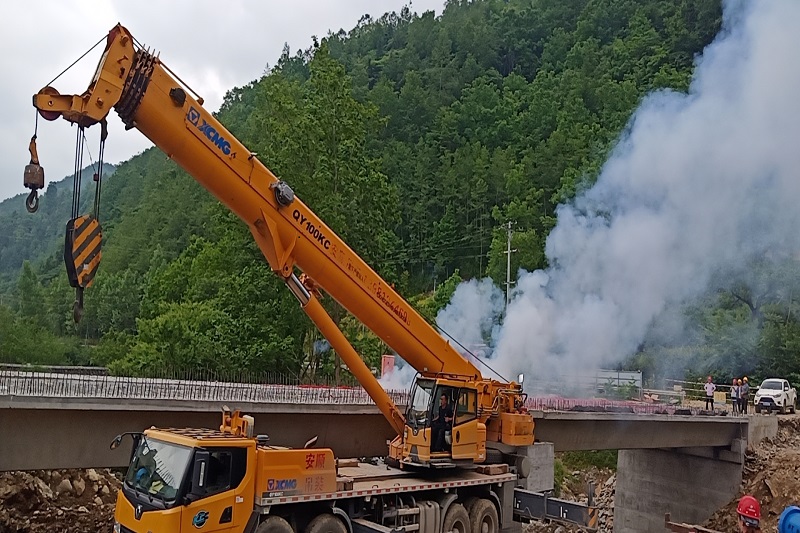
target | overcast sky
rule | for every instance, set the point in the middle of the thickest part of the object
(213, 46)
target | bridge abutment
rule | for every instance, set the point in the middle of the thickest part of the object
(689, 483)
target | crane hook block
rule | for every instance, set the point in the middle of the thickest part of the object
(33, 178)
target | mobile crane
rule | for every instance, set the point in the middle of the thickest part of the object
(228, 480)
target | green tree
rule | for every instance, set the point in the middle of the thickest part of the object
(29, 295)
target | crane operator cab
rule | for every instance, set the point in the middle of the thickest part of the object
(442, 427)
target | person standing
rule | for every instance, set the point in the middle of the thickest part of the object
(710, 388)
(744, 394)
(735, 396)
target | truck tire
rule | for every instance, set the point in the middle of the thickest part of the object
(783, 408)
(483, 517)
(758, 408)
(469, 503)
(326, 523)
(456, 520)
(274, 524)
(792, 408)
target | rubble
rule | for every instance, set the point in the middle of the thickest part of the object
(771, 473)
(62, 500)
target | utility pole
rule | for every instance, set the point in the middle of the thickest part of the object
(508, 253)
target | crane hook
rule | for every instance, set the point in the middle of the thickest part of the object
(32, 201)
(33, 178)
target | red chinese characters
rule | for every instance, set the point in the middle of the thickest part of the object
(315, 461)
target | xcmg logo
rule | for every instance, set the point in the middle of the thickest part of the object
(209, 131)
(281, 484)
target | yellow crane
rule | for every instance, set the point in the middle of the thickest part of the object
(456, 417)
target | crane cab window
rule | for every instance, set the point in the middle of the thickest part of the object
(449, 394)
(467, 406)
(226, 469)
(417, 414)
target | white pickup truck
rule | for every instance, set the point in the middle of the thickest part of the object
(775, 394)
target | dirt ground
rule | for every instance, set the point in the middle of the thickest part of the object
(69, 501)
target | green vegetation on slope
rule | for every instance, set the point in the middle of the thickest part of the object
(416, 138)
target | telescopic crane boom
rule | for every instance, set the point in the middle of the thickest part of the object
(148, 97)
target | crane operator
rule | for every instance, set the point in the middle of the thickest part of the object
(441, 423)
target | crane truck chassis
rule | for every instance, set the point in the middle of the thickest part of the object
(227, 479)
(232, 481)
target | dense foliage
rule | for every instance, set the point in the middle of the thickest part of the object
(38, 238)
(416, 138)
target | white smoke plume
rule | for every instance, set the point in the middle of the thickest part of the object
(471, 316)
(698, 183)
(467, 322)
(401, 377)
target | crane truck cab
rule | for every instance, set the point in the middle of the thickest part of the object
(431, 439)
(188, 479)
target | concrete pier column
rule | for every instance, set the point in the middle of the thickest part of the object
(541, 457)
(690, 484)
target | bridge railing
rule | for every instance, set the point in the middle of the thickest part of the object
(56, 385)
(559, 403)
(51, 385)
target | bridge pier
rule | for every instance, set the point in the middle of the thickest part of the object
(688, 483)
(542, 467)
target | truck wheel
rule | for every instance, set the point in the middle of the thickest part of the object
(469, 503)
(792, 409)
(783, 409)
(326, 523)
(456, 520)
(758, 408)
(483, 517)
(274, 524)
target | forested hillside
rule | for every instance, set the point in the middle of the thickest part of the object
(416, 138)
(35, 238)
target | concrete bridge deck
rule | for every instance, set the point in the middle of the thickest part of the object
(570, 431)
(66, 421)
(49, 433)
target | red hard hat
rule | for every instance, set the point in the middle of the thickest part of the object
(749, 508)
